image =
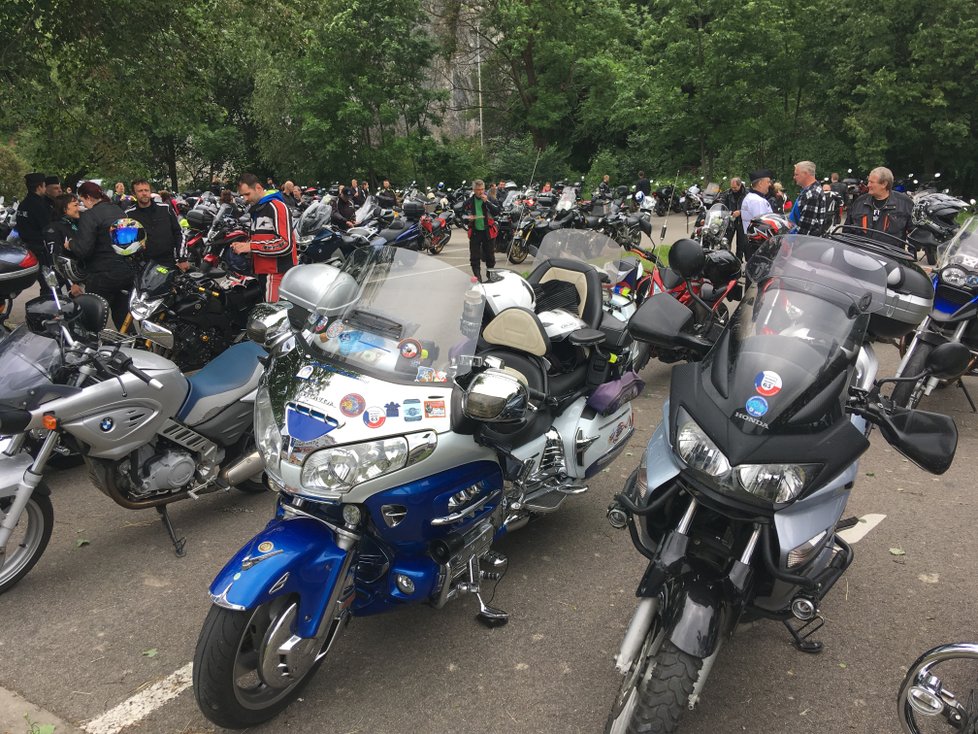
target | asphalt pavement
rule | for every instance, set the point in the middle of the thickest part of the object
(109, 615)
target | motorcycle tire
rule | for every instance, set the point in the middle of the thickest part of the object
(438, 245)
(660, 210)
(229, 644)
(518, 251)
(24, 552)
(909, 394)
(663, 694)
(641, 356)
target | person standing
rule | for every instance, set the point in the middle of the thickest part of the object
(478, 211)
(732, 198)
(59, 237)
(643, 184)
(108, 274)
(604, 188)
(52, 190)
(387, 197)
(344, 213)
(356, 193)
(164, 237)
(755, 203)
(118, 193)
(842, 191)
(272, 245)
(33, 215)
(810, 205)
(881, 209)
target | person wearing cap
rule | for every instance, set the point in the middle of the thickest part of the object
(344, 212)
(755, 203)
(811, 206)
(33, 215)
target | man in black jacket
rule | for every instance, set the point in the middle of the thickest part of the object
(732, 198)
(344, 212)
(164, 237)
(33, 215)
(882, 210)
(643, 184)
(478, 211)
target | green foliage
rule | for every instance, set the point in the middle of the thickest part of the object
(13, 168)
(516, 158)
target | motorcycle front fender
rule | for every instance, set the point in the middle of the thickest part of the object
(12, 470)
(299, 556)
(697, 614)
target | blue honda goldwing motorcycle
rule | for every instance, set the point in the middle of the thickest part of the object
(403, 437)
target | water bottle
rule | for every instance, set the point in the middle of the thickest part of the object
(472, 307)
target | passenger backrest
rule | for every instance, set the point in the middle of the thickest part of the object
(520, 329)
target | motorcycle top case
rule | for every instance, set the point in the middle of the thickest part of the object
(413, 209)
(14, 274)
(200, 219)
(909, 297)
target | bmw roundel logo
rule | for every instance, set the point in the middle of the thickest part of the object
(106, 425)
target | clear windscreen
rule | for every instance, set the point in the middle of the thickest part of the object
(29, 362)
(962, 250)
(583, 245)
(717, 219)
(398, 316)
(314, 219)
(366, 211)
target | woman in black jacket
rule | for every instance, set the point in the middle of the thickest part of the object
(108, 273)
(59, 237)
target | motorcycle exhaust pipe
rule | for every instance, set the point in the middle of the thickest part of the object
(245, 467)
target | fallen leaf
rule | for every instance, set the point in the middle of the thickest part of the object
(929, 578)
(82, 541)
(843, 666)
(870, 474)
(151, 653)
(897, 552)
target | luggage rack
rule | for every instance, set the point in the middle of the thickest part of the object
(113, 337)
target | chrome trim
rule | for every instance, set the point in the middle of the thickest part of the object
(456, 516)
(221, 600)
(252, 561)
(277, 586)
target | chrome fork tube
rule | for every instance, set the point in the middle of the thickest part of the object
(958, 334)
(683, 527)
(751, 546)
(32, 477)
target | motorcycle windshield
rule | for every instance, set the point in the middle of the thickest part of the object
(29, 363)
(962, 250)
(717, 219)
(798, 330)
(156, 280)
(314, 219)
(409, 319)
(366, 211)
(568, 199)
(583, 245)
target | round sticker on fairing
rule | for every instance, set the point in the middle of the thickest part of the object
(265, 546)
(352, 405)
(409, 348)
(767, 383)
(756, 406)
(374, 417)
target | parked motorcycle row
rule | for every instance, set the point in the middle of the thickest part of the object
(403, 437)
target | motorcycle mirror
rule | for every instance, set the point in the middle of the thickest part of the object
(50, 278)
(948, 360)
(269, 324)
(929, 440)
(687, 258)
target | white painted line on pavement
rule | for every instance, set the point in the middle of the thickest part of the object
(142, 704)
(861, 529)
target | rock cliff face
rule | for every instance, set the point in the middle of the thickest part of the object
(456, 70)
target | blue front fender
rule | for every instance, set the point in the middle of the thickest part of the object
(296, 556)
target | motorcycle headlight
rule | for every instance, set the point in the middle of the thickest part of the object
(268, 436)
(955, 277)
(141, 308)
(340, 468)
(697, 450)
(778, 483)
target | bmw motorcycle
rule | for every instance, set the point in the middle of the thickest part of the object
(149, 435)
(742, 488)
(953, 318)
(403, 440)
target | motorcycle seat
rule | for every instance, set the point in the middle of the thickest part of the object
(583, 276)
(222, 381)
(592, 222)
(670, 278)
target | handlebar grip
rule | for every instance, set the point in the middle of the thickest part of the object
(151, 381)
(536, 394)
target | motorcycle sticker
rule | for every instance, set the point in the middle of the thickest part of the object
(409, 348)
(412, 410)
(335, 329)
(430, 374)
(265, 546)
(435, 409)
(374, 417)
(393, 410)
(767, 383)
(305, 373)
(305, 424)
(352, 405)
(756, 406)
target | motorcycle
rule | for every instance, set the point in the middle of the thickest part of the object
(317, 240)
(715, 231)
(213, 230)
(742, 488)
(401, 449)
(927, 692)
(953, 318)
(149, 435)
(18, 270)
(437, 230)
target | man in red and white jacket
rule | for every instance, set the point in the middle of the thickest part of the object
(273, 239)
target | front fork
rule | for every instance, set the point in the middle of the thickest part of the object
(931, 382)
(31, 479)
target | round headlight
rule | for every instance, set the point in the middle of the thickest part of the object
(776, 483)
(955, 277)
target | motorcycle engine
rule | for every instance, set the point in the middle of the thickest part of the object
(165, 472)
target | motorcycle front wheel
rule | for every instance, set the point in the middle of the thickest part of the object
(29, 539)
(438, 244)
(518, 251)
(236, 659)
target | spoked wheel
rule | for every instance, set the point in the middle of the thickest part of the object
(518, 251)
(29, 538)
(939, 693)
(627, 699)
(240, 677)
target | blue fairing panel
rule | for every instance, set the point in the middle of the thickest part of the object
(302, 548)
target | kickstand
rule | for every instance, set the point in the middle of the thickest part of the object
(967, 395)
(801, 641)
(178, 545)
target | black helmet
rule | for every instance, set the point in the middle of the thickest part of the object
(938, 214)
(721, 267)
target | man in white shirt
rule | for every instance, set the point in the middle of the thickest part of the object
(756, 203)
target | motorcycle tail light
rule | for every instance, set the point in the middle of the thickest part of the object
(29, 261)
